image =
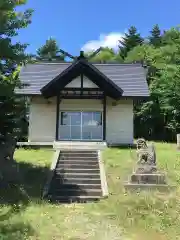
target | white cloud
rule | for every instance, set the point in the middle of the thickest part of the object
(110, 40)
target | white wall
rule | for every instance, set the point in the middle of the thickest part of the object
(119, 119)
(81, 105)
(119, 122)
(42, 120)
(76, 83)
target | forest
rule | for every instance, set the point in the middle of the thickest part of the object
(156, 118)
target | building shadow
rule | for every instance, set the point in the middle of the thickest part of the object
(21, 183)
(24, 183)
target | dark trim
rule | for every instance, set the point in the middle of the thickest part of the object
(84, 89)
(89, 89)
(81, 83)
(104, 117)
(57, 116)
(82, 97)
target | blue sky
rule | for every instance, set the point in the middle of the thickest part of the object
(90, 23)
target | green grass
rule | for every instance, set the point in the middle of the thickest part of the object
(136, 216)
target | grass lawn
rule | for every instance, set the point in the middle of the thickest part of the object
(126, 216)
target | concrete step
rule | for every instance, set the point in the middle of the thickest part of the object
(70, 199)
(78, 155)
(62, 162)
(78, 152)
(78, 175)
(75, 192)
(81, 160)
(77, 166)
(75, 186)
(78, 180)
(72, 170)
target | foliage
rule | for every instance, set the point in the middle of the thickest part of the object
(50, 51)
(155, 39)
(104, 56)
(11, 55)
(131, 39)
(10, 22)
(162, 112)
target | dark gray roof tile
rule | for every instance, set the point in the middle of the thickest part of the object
(131, 78)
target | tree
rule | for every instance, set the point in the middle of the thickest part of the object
(10, 22)
(11, 55)
(129, 41)
(104, 56)
(50, 51)
(155, 39)
(161, 113)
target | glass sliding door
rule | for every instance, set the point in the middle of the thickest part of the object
(65, 123)
(81, 126)
(75, 127)
(91, 125)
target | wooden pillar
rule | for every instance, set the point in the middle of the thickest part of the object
(57, 116)
(104, 117)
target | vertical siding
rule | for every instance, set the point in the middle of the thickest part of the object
(88, 83)
(42, 120)
(119, 126)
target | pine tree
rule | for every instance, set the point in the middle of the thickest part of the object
(155, 39)
(129, 41)
(11, 55)
(50, 51)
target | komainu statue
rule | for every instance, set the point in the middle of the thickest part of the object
(146, 156)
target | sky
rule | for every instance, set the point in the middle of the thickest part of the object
(88, 24)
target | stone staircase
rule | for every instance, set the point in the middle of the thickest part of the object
(76, 177)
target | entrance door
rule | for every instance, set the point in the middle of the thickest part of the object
(81, 126)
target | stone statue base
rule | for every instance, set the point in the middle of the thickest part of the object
(147, 177)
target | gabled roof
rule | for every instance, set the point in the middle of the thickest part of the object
(131, 78)
(81, 66)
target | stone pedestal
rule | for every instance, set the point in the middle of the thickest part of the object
(147, 177)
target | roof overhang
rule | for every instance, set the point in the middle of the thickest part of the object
(78, 67)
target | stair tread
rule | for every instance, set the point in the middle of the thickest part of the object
(80, 184)
(86, 179)
(80, 173)
(77, 169)
(76, 157)
(59, 189)
(74, 196)
(79, 164)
